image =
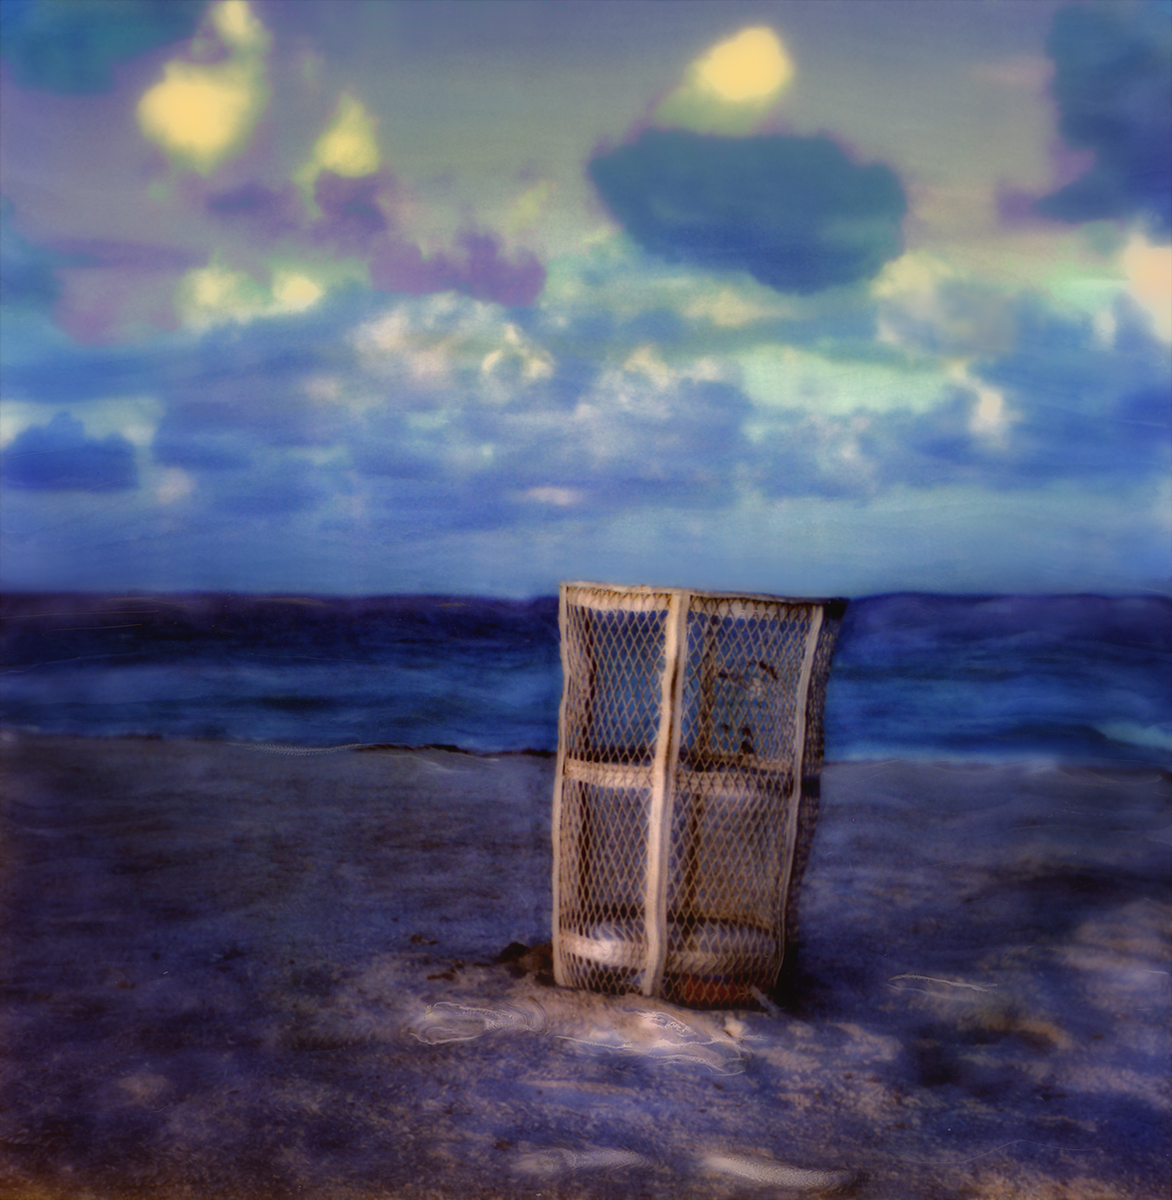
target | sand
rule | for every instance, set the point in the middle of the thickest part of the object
(228, 972)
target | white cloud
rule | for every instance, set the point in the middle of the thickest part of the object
(559, 497)
(518, 361)
(173, 484)
(990, 419)
(927, 306)
(428, 341)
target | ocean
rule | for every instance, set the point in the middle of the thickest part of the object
(1075, 679)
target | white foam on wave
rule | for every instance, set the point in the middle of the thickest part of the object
(1132, 733)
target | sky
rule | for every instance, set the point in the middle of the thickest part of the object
(810, 297)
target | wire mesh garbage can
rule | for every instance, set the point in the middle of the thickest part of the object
(689, 752)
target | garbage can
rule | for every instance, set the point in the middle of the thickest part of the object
(687, 784)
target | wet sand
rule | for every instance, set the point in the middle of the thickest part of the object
(227, 972)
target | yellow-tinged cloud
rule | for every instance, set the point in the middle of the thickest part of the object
(215, 294)
(732, 87)
(234, 22)
(727, 309)
(916, 272)
(751, 66)
(1149, 271)
(201, 114)
(348, 147)
(294, 292)
(528, 207)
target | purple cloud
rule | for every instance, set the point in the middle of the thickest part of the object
(352, 218)
(274, 212)
(481, 273)
(100, 288)
(358, 217)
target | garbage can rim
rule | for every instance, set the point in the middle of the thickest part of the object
(647, 589)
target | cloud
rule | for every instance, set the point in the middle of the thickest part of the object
(60, 457)
(640, 436)
(527, 209)
(115, 289)
(1149, 273)
(630, 442)
(98, 289)
(355, 212)
(794, 212)
(1081, 409)
(73, 48)
(730, 88)
(837, 380)
(927, 306)
(118, 304)
(432, 343)
(447, 413)
(1112, 80)
(270, 211)
(1056, 405)
(237, 389)
(216, 294)
(509, 415)
(616, 296)
(357, 220)
(348, 148)
(480, 271)
(202, 113)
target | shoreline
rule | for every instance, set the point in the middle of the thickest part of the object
(9, 734)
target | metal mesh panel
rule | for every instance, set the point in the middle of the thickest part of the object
(616, 664)
(690, 744)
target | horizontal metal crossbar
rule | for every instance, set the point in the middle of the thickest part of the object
(617, 947)
(720, 784)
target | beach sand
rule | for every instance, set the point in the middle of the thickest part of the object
(230, 972)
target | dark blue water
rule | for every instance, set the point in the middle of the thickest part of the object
(1078, 679)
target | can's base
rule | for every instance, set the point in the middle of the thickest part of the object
(709, 964)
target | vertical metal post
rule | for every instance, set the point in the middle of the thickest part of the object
(801, 702)
(559, 965)
(663, 773)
